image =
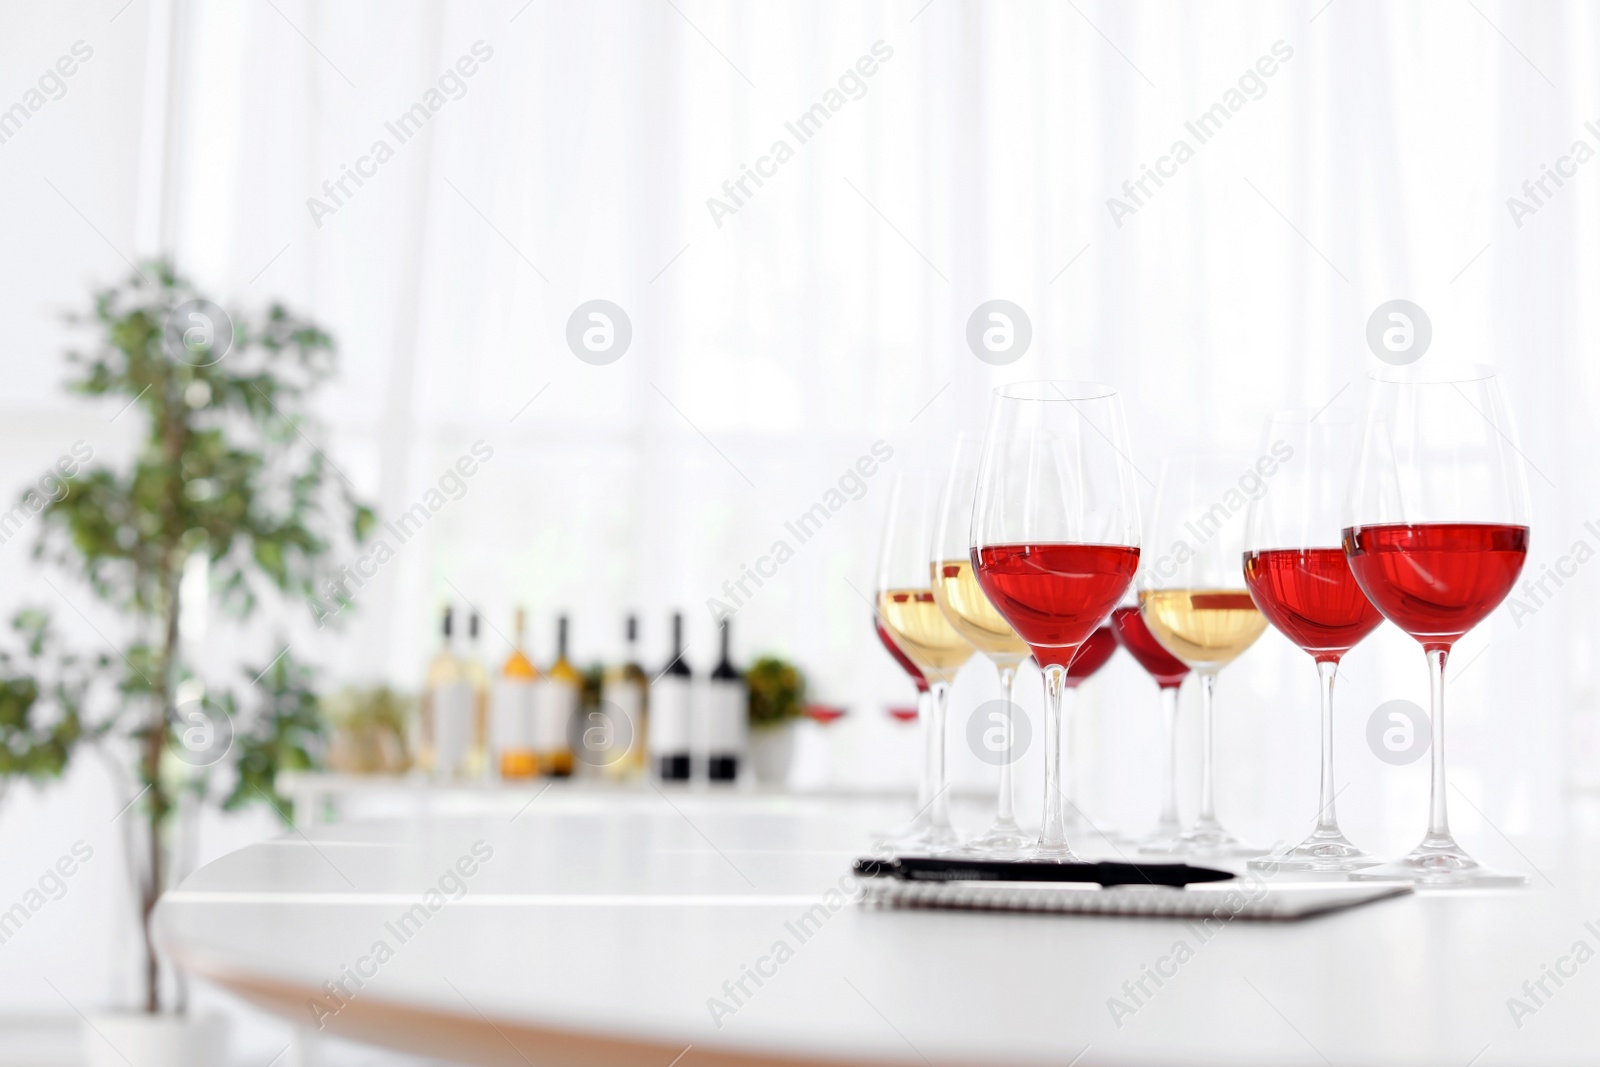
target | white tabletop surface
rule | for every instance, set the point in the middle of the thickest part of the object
(602, 926)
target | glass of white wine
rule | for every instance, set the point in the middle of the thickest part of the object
(1194, 601)
(908, 611)
(956, 591)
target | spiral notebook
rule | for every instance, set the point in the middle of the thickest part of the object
(1233, 899)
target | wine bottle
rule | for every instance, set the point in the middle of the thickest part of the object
(511, 711)
(727, 717)
(447, 709)
(669, 712)
(624, 694)
(555, 703)
(477, 761)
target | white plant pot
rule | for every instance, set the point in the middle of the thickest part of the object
(121, 1039)
(772, 753)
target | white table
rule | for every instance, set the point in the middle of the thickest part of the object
(323, 796)
(603, 924)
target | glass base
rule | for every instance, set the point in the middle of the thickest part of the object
(1324, 852)
(920, 835)
(1212, 840)
(1170, 845)
(1002, 841)
(1440, 863)
(1061, 854)
(1163, 839)
(926, 840)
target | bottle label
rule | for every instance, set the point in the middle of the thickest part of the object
(622, 709)
(726, 718)
(511, 715)
(454, 712)
(628, 697)
(554, 705)
(669, 715)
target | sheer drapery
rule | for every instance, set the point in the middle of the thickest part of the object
(596, 151)
(1337, 157)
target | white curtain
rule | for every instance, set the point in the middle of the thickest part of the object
(771, 347)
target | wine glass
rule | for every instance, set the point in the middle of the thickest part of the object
(1193, 599)
(1132, 634)
(1100, 647)
(956, 590)
(1055, 538)
(1302, 583)
(917, 627)
(919, 714)
(1437, 533)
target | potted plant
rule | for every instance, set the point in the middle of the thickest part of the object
(777, 691)
(369, 730)
(226, 498)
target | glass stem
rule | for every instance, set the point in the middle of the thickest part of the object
(1438, 816)
(938, 771)
(925, 780)
(1006, 809)
(1069, 747)
(1327, 820)
(1169, 762)
(1207, 819)
(1053, 829)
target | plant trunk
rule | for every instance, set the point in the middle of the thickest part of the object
(170, 569)
(155, 742)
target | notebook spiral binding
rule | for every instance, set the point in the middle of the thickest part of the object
(1223, 900)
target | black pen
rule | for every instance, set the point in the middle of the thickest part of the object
(934, 869)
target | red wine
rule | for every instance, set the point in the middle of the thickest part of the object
(1092, 655)
(1312, 598)
(899, 657)
(1436, 580)
(824, 714)
(727, 716)
(1132, 634)
(671, 712)
(1054, 595)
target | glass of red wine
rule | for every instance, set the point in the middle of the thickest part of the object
(1093, 654)
(904, 713)
(1055, 539)
(1302, 583)
(1437, 534)
(1132, 634)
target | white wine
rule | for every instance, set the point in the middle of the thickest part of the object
(914, 620)
(1205, 628)
(625, 690)
(449, 710)
(956, 590)
(511, 712)
(478, 677)
(555, 703)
